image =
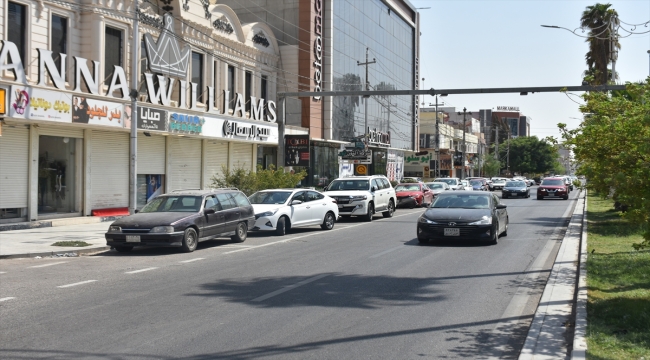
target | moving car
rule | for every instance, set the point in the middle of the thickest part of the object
(454, 183)
(516, 188)
(466, 185)
(553, 187)
(413, 194)
(498, 184)
(280, 210)
(363, 196)
(464, 215)
(437, 187)
(184, 218)
(479, 184)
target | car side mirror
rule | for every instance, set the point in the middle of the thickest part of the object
(501, 206)
(209, 211)
(373, 189)
(296, 202)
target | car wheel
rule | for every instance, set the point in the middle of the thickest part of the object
(505, 232)
(566, 197)
(495, 235)
(391, 210)
(123, 249)
(371, 209)
(241, 232)
(328, 222)
(281, 227)
(190, 240)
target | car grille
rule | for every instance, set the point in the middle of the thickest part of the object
(135, 231)
(342, 199)
(465, 230)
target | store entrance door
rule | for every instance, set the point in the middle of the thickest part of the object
(56, 175)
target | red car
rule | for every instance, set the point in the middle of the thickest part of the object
(413, 194)
(553, 187)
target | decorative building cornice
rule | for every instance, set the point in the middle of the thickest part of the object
(259, 38)
(222, 24)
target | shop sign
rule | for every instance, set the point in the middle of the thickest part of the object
(318, 47)
(417, 160)
(96, 112)
(188, 124)
(152, 119)
(245, 130)
(445, 161)
(378, 138)
(37, 104)
(508, 108)
(3, 101)
(357, 156)
(296, 149)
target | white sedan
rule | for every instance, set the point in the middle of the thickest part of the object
(282, 209)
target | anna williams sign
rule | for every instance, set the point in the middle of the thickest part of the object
(152, 119)
(296, 150)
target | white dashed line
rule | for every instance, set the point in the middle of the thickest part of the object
(386, 252)
(3, 272)
(7, 298)
(290, 287)
(44, 265)
(75, 284)
(192, 260)
(141, 270)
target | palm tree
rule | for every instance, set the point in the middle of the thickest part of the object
(601, 21)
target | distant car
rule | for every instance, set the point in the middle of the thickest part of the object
(553, 187)
(464, 215)
(411, 179)
(479, 184)
(413, 194)
(529, 182)
(454, 183)
(280, 210)
(498, 184)
(466, 185)
(363, 196)
(515, 189)
(183, 218)
(437, 187)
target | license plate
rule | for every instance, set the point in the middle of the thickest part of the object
(133, 238)
(452, 232)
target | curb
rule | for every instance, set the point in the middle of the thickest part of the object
(51, 253)
(579, 351)
(57, 222)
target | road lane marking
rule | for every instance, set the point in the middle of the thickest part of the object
(141, 270)
(192, 260)
(290, 287)
(3, 272)
(75, 284)
(7, 298)
(386, 252)
(56, 263)
(235, 246)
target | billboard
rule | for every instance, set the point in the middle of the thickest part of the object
(296, 150)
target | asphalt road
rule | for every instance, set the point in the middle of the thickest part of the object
(360, 291)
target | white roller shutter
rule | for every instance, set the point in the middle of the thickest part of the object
(14, 161)
(151, 154)
(109, 170)
(242, 155)
(62, 131)
(216, 155)
(185, 164)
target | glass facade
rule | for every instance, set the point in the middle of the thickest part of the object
(371, 24)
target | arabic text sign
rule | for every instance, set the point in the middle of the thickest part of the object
(152, 119)
(358, 156)
(36, 104)
(96, 112)
(417, 160)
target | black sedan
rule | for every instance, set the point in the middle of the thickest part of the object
(183, 218)
(515, 189)
(464, 215)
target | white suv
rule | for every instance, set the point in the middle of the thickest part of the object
(454, 183)
(363, 196)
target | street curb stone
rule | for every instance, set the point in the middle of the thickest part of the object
(51, 253)
(579, 351)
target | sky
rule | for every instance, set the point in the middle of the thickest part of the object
(494, 44)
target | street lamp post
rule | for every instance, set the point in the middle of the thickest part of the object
(462, 170)
(365, 122)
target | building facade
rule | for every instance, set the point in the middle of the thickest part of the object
(323, 46)
(206, 101)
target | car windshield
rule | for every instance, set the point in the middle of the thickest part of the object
(348, 185)
(515, 184)
(462, 201)
(476, 183)
(407, 188)
(173, 204)
(448, 181)
(434, 186)
(553, 182)
(269, 197)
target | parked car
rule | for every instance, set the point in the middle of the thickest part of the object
(437, 187)
(498, 184)
(529, 182)
(515, 189)
(553, 187)
(413, 194)
(183, 218)
(466, 185)
(464, 215)
(280, 210)
(363, 196)
(454, 183)
(479, 184)
(569, 182)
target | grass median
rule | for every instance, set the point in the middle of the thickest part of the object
(618, 279)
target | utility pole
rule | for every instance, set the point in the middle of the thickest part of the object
(437, 140)
(133, 168)
(496, 141)
(365, 126)
(462, 172)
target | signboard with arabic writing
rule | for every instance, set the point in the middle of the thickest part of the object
(37, 104)
(96, 112)
(418, 160)
(357, 156)
(152, 119)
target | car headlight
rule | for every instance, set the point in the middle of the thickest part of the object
(266, 213)
(357, 198)
(162, 229)
(114, 229)
(424, 220)
(485, 220)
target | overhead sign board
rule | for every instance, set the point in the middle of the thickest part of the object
(357, 156)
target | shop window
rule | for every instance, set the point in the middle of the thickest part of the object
(112, 50)
(17, 28)
(59, 38)
(247, 90)
(149, 187)
(197, 73)
(264, 89)
(56, 174)
(231, 87)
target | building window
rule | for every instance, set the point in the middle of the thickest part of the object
(231, 86)
(112, 50)
(197, 73)
(264, 88)
(17, 28)
(59, 38)
(247, 90)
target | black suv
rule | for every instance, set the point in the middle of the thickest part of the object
(183, 218)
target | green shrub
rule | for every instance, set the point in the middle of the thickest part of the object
(249, 182)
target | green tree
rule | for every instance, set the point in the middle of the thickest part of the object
(249, 182)
(612, 148)
(530, 155)
(491, 166)
(601, 22)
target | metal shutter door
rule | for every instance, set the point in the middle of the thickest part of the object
(62, 131)
(185, 164)
(14, 161)
(241, 156)
(216, 155)
(109, 170)
(151, 154)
